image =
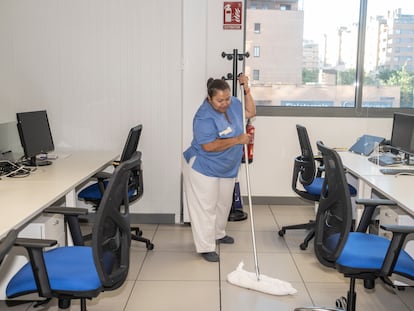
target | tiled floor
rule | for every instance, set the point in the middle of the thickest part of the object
(173, 277)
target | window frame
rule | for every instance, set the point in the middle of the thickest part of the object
(342, 112)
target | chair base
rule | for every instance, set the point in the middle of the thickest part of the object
(308, 226)
(137, 236)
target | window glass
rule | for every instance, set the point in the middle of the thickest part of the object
(307, 52)
(256, 51)
(388, 65)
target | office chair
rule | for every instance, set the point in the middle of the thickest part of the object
(357, 255)
(94, 192)
(7, 243)
(83, 272)
(310, 178)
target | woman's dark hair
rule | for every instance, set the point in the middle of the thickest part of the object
(214, 85)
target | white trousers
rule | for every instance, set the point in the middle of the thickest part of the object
(209, 202)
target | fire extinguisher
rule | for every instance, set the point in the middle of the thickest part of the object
(249, 130)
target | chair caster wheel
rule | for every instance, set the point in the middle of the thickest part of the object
(150, 246)
(303, 246)
(282, 232)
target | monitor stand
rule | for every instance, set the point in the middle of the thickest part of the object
(33, 161)
(408, 160)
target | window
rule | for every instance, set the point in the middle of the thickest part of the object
(256, 51)
(314, 62)
(285, 7)
(388, 67)
(256, 75)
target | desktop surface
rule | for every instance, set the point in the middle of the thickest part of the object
(386, 159)
(396, 187)
(397, 171)
(24, 198)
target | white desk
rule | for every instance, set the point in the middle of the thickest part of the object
(21, 199)
(396, 188)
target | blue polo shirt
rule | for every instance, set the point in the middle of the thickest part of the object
(208, 125)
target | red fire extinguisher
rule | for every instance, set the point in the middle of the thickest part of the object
(249, 130)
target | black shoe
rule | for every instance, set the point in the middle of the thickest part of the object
(226, 240)
(211, 256)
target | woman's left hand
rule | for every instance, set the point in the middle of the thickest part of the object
(244, 80)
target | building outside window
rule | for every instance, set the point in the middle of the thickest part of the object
(309, 60)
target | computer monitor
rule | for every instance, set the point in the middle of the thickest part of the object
(402, 137)
(35, 136)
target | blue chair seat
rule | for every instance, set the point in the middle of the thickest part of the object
(93, 193)
(367, 251)
(70, 269)
(315, 187)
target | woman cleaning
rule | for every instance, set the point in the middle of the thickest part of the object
(212, 163)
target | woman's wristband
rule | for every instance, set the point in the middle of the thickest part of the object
(246, 91)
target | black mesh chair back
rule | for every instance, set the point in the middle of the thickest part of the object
(111, 235)
(304, 167)
(306, 161)
(131, 143)
(136, 183)
(334, 216)
(306, 182)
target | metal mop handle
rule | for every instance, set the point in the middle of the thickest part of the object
(249, 194)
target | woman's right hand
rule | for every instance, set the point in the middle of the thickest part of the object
(244, 139)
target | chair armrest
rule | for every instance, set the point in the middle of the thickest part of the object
(399, 234)
(69, 211)
(370, 205)
(374, 202)
(398, 229)
(321, 166)
(102, 175)
(71, 215)
(34, 248)
(34, 243)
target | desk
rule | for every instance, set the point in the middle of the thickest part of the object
(396, 188)
(24, 198)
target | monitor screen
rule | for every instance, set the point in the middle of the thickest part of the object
(35, 135)
(402, 137)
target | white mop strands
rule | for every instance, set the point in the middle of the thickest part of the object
(264, 284)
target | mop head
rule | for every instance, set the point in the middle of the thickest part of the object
(265, 284)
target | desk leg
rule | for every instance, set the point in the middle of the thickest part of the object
(70, 200)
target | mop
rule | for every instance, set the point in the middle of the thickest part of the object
(250, 280)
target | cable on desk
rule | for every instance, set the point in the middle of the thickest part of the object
(13, 170)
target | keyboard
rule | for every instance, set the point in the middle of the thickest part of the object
(385, 160)
(397, 171)
(6, 167)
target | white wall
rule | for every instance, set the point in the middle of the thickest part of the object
(101, 66)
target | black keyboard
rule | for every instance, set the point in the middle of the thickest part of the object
(6, 167)
(397, 171)
(384, 160)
